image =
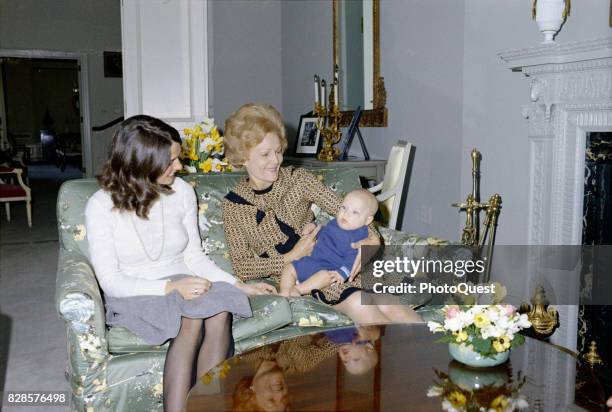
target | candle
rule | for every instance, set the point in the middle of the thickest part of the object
(336, 92)
(324, 93)
(336, 83)
(316, 86)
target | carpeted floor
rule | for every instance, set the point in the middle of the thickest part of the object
(32, 336)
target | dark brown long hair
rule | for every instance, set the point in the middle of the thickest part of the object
(140, 153)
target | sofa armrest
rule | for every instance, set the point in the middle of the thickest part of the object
(79, 303)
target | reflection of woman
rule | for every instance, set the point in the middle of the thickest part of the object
(267, 215)
(142, 232)
(267, 390)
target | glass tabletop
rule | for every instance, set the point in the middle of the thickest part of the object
(393, 368)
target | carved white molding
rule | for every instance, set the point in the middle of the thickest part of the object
(570, 94)
(579, 51)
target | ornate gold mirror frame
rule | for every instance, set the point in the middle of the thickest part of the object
(377, 117)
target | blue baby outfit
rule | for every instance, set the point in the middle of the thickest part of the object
(332, 251)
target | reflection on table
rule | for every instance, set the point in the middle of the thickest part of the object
(389, 368)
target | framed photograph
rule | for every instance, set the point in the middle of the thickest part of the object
(308, 137)
(113, 66)
(347, 139)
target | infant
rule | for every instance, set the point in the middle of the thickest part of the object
(332, 256)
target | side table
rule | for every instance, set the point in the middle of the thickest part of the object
(368, 169)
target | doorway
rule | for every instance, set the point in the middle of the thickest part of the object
(42, 116)
(49, 62)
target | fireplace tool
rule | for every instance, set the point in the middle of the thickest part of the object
(473, 235)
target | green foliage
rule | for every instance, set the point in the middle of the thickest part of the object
(483, 346)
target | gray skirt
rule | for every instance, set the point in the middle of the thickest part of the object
(158, 318)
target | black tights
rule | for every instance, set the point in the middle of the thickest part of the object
(214, 347)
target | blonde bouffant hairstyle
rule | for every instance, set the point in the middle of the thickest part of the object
(246, 128)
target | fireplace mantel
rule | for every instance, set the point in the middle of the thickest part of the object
(570, 95)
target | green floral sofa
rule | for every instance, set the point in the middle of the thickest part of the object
(112, 369)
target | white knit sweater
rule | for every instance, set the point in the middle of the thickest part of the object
(122, 266)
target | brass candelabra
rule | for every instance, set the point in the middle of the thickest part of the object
(328, 119)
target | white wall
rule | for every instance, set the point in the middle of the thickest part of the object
(493, 96)
(245, 55)
(90, 26)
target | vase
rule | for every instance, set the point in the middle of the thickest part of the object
(472, 379)
(549, 17)
(466, 355)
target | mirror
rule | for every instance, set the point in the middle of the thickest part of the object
(357, 54)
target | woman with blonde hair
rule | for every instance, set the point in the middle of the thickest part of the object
(268, 219)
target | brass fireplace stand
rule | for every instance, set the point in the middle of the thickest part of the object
(473, 234)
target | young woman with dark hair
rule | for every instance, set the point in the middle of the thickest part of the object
(146, 252)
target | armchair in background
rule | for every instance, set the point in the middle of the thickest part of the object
(14, 192)
(394, 187)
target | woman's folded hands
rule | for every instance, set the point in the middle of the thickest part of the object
(190, 287)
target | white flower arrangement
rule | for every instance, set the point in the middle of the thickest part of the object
(489, 329)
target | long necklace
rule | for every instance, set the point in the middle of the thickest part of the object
(161, 249)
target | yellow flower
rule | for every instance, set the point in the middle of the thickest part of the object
(206, 165)
(460, 336)
(187, 131)
(500, 403)
(214, 133)
(502, 343)
(206, 379)
(457, 399)
(481, 320)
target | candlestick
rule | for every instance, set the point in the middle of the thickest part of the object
(317, 91)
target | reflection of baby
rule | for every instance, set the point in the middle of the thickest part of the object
(333, 256)
(357, 352)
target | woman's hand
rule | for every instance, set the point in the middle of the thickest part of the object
(371, 240)
(304, 246)
(254, 289)
(190, 287)
(308, 229)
